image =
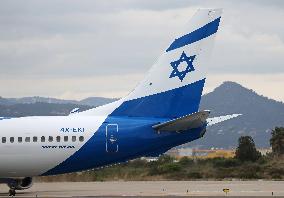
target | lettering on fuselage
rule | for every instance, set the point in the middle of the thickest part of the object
(58, 147)
(72, 130)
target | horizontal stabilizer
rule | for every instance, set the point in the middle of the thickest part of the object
(191, 121)
(215, 120)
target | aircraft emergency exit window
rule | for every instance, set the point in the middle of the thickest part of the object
(58, 139)
(73, 138)
(12, 139)
(27, 139)
(50, 138)
(42, 139)
(20, 139)
(34, 139)
(3, 139)
(65, 138)
(81, 138)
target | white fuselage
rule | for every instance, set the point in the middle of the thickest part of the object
(31, 156)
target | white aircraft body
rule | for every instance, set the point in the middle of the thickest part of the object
(160, 113)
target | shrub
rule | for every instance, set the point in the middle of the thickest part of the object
(226, 163)
(185, 161)
(277, 141)
(249, 171)
(231, 172)
(276, 172)
(246, 150)
(169, 168)
(194, 175)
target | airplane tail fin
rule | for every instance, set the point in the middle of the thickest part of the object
(174, 85)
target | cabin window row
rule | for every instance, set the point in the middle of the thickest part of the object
(43, 139)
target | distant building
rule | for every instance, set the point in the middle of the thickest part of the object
(208, 153)
(201, 153)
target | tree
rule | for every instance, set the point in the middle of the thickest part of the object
(277, 141)
(246, 150)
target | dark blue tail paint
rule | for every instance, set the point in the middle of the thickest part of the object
(170, 104)
(201, 33)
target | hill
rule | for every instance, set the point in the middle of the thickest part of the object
(39, 109)
(91, 101)
(260, 115)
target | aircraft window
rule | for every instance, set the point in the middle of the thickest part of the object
(65, 138)
(58, 139)
(27, 139)
(3, 139)
(73, 138)
(81, 138)
(42, 139)
(12, 139)
(34, 139)
(50, 138)
(20, 139)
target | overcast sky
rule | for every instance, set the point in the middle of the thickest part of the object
(76, 49)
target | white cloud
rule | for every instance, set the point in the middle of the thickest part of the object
(56, 42)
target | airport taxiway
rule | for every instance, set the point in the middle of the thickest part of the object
(152, 188)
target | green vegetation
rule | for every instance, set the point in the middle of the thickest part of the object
(167, 168)
(247, 164)
(277, 141)
(246, 150)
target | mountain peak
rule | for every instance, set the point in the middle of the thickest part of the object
(229, 85)
(239, 92)
(234, 91)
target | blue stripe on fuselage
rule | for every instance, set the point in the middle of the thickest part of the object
(196, 35)
(136, 138)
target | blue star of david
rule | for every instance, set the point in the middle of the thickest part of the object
(175, 65)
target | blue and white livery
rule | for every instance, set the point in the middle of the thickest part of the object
(160, 113)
